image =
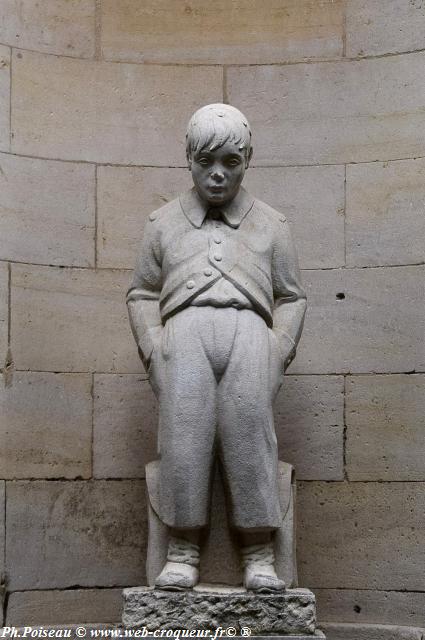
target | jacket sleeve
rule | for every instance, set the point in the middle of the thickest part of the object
(289, 296)
(143, 294)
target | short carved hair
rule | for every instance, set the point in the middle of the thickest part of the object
(213, 125)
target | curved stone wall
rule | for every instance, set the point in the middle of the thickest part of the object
(94, 99)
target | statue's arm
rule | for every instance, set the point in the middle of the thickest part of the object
(143, 294)
(289, 296)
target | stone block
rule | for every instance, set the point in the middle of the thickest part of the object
(4, 98)
(292, 611)
(126, 196)
(85, 534)
(293, 110)
(385, 223)
(71, 109)
(4, 311)
(362, 535)
(223, 33)
(46, 211)
(385, 427)
(312, 198)
(374, 27)
(125, 426)
(71, 320)
(45, 426)
(371, 632)
(363, 321)
(365, 607)
(64, 607)
(309, 422)
(53, 26)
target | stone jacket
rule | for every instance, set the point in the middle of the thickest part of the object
(181, 257)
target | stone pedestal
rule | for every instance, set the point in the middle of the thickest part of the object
(291, 614)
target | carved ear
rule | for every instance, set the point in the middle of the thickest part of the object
(248, 160)
(189, 161)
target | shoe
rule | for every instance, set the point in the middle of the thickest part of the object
(181, 571)
(259, 571)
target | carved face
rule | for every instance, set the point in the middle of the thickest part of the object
(218, 174)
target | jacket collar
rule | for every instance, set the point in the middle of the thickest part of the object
(233, 212)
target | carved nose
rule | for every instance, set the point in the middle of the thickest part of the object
(217, 175)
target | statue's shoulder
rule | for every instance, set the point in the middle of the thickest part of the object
(269, 212)
(164, 213)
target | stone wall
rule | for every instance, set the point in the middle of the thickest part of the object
(94, 100)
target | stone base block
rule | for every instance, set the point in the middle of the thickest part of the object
(287, 613)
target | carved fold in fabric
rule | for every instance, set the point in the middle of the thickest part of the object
(180, 550)
(260, 554)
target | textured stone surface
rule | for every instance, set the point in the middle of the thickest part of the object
(387, 607)
(46, 211)
(333, 112)
(45, 426)
(64, 607)
(385, 434)
(378, 326)
(52, 26)
(2, 526)
(236, 32)
(126, 196)
(4, 311)
(309, 422)
(312, 198)
(363, 535)
(290, 612)
(100, 111)
(385, 219)
(125, 425)
(71, 320)
(4, 98)
(371, 632)
(375, 27)
(75, 533)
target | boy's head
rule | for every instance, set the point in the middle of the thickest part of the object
(218, 149)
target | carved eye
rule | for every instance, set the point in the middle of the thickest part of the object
(203, 161)
(233, 162)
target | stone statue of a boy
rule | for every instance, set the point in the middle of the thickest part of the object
(216, 307)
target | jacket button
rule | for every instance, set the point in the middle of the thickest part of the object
(208, 272)
(217, 257)
(190, 284)
(218, 240)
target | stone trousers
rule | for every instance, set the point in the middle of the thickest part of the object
(216, 372)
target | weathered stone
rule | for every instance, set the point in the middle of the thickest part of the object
(371, 632)
(75, 533)
(4, 311)
(351, 535)
(363, 320)
(312, 198)
(45, 426)
(4, 98)
(71, 320)
(46, 211)
(237, 32)
(385, 219)
(309, 423)
(293, 110)
(126, 196)
(64, 607)
(2, 528)
(125, 425)
(206, 607)
(374, 27)
(385, 434)
(104, 112)
(52, 26)
(385, 607)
